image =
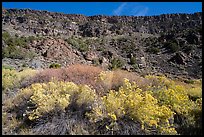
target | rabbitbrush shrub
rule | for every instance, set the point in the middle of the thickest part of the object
(136, 104)
(12, 78)
(178, 99)
(53, 96)
(163, 106)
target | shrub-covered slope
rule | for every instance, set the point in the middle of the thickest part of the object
(104, 104)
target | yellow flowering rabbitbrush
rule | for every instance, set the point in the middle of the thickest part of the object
(11, 78)
(56, 95)
(139, 105)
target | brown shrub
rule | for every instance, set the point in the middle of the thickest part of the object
(82, 74)
(79, 74)
(116, 79)
(86, 74)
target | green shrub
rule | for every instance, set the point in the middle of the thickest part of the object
(172, 46)
(21, 42)
(16, 40)
(132, 60)
(136, 67)
(15, 52)
(83, 47)
(31, 38)
(188, 48)
(15, 47)
(96, 62)
(100, 49)
(116, 63)
(5, 35)
(7, 67)
(153, 50)
(55, 65)
(78, 44)
(189, 81)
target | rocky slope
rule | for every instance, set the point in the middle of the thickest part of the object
(169, 43)
(46, 23)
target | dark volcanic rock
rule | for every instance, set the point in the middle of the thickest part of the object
(73, 38)
(179, 58)
(59, 24)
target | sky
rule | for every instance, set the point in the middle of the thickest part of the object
(110, 8)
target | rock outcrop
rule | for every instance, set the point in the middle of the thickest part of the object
(64, 25)
(170, 43)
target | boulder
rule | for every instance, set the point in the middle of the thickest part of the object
(90, 56)
(36, 64)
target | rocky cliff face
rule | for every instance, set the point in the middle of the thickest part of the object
(57, 24)
(169, 43)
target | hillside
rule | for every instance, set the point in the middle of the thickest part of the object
(70, 74)
(169, 43)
